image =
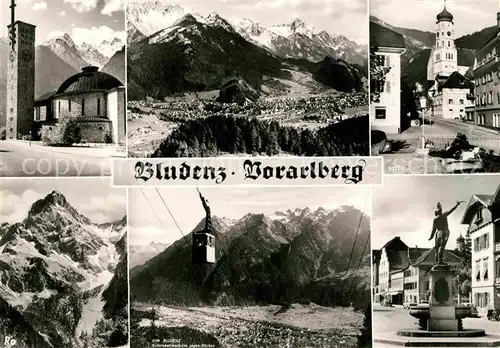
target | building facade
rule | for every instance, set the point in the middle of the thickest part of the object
(94, 99)
(388, 45)
(403, 272)
(20, 81)
(482, 217)
(486, 73)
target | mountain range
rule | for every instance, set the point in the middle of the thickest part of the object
(294, 39)
(174, 50)
(139, 254)
(419, 44)
(59, 58)
(288, 256)
(61, 278)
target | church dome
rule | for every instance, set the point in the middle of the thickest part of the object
(89, 80)
(445, 16)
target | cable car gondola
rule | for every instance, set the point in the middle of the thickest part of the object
(203, 251)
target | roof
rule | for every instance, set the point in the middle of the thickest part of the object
(444, 16)
(21, 22)
(428, 258)
(89, 80)
(92, 119)
(415, 253)
(44, 98)
(395, 244)
(477, 200)
(398, 259)
(457, 80)
(381, 36)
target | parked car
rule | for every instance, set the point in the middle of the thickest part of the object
(408, 305)
(474, 312)
(380, 144)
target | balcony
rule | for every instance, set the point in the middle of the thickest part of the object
(497, 247)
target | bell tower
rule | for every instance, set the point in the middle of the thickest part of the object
(20, 78)
(445, 52)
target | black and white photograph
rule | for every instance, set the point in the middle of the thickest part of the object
(63, 264)
(250, 267)
(238, 78)
(62, 93)
(435, 91)
(436, 261)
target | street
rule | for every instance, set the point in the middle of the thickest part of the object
(405, 157)
(19, 159)
(388, 320)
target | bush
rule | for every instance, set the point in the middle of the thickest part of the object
(66, 132)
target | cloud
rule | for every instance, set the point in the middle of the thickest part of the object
(40, 6)
(96, 35)
(104, 208)
(62, 13)
(82, 5)
(111, 6)
(18, 205)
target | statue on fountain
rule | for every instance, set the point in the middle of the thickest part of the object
(441, 231)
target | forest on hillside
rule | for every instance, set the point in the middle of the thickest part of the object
(217, 135)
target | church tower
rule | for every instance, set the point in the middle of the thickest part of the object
(444, 52)
(20, 78)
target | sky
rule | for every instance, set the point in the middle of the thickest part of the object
(233, 203)
(89, 21)
(469, 15)
(92, 197)
(405, 206)
(345, 17)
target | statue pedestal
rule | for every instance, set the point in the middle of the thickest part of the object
(442, 308)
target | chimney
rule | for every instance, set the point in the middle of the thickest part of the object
(498, 19)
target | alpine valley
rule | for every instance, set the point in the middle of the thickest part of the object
(284, 277)
(184, 67)
(63, 278)
(59, 57)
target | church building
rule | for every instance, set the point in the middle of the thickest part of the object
(94, 99)
(451, 91)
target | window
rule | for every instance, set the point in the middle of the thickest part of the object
(11, 129)
(83, 106)
(59, 108)
(496, 120)
(479, 215)
(450, 101)
(11, 110)
(69, 105)
(380, 113)
(100, 128)
(497, 268)
(98, 106)
(12, 118)
(486, 241)
(449, 44)
(485, 269)
(478, 270)
(476, 244)
(461, 101)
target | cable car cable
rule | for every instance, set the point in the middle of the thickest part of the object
(173, 218)
(352, 248)
(357, 269)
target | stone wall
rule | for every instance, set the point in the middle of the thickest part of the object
(90, 132)
(94, 132)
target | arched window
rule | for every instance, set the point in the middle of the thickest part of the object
(83, 106)
(449, 43)
(98, 106)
